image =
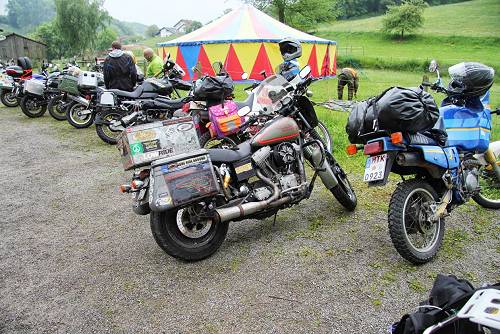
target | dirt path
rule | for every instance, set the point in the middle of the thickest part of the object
(74, 258)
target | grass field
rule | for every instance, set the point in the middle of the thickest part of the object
(478, 18)
(468, 31)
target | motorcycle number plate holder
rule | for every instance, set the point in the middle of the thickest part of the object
(375, 168)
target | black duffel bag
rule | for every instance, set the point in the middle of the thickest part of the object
(396, 109)
(214, 88)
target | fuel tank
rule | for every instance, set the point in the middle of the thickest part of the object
(281, 129)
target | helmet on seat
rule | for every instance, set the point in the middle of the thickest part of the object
(290, 49)
(470, 79)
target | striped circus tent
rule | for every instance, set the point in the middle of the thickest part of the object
(245, 40)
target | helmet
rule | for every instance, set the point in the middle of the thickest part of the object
(470, 79)
(290, 49)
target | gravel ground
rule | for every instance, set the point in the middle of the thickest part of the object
(74, 258)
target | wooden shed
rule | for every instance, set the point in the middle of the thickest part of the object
(14, 46)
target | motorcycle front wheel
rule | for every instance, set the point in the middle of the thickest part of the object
(415, 237)
(8, 98)
(320, 132)
(104, 131)
(185, 238)
(343, 192)
(56, 108)
(489, 196)
(79, 116)
(32, 106)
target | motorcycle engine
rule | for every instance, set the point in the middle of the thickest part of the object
(279, 163)
(469, 184)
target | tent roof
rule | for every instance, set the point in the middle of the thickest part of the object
(245, 24)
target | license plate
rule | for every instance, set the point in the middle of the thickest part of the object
(375, 168)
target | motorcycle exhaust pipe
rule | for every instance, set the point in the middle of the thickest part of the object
(247, 209)
(410, 159)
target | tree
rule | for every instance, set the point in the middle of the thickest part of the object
(152, 30)
(404, 18)
(302, 14)
(194, 26)
(48, 33)
(27, 14)
(105, 38)
(79, 22)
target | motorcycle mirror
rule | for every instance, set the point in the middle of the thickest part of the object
(433, 67)
(309, 93)
(244, 111)
(50, 65)
(244, 76)
(304, 73)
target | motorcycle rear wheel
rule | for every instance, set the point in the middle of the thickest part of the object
(56, 109)
(32, 106)
(174, 232)
(104, 131)
(409, 211)
(8, 98)
(207, 141)
(76, 119)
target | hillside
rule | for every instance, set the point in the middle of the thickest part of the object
(468, 31)
(478, 18)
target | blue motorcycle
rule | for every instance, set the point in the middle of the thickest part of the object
(438, 174)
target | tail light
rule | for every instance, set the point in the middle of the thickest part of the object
(136, 184)
(88, 97)
(373, 148)
(397, 138)
(185, 107)
(352, 149)
(124, 188)
(143, 174)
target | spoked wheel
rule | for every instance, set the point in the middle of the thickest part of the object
(106, 131)
(489, 196)
(79, 116)
(320, 132)
(56, 108)
(33, 106)
(186, 235)
(413, 234)
(206, 141)
(9, 98)
(343, 192)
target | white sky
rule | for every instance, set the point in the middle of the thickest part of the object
(168, 12)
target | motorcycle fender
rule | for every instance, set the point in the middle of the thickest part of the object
(98, 119)
(391, 157)
(494, 147)
(313, 154)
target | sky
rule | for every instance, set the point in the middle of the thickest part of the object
(166, 13)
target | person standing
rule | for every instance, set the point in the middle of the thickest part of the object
(348, 76)
(119, 69)
(155, 67)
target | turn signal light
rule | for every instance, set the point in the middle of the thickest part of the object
(124, 188)
(397, 138)
(373, 148)
(136, 184)
(352, 149)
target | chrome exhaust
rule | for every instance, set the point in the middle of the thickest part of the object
(247, 209)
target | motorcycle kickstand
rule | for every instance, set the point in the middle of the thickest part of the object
(274, 219)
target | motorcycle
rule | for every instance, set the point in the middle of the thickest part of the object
(191, 194)
(11, 89)
(115, 104)
(37, 93)
(446, 173)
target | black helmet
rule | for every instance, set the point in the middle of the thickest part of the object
(470, 79)
(290, 49)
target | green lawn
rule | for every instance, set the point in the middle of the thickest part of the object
(468, 31)
(478, 18)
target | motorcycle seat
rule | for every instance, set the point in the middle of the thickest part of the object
(136, 93)
(242, 151)
(162, 103)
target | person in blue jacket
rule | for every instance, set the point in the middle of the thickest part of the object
(291, 51)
